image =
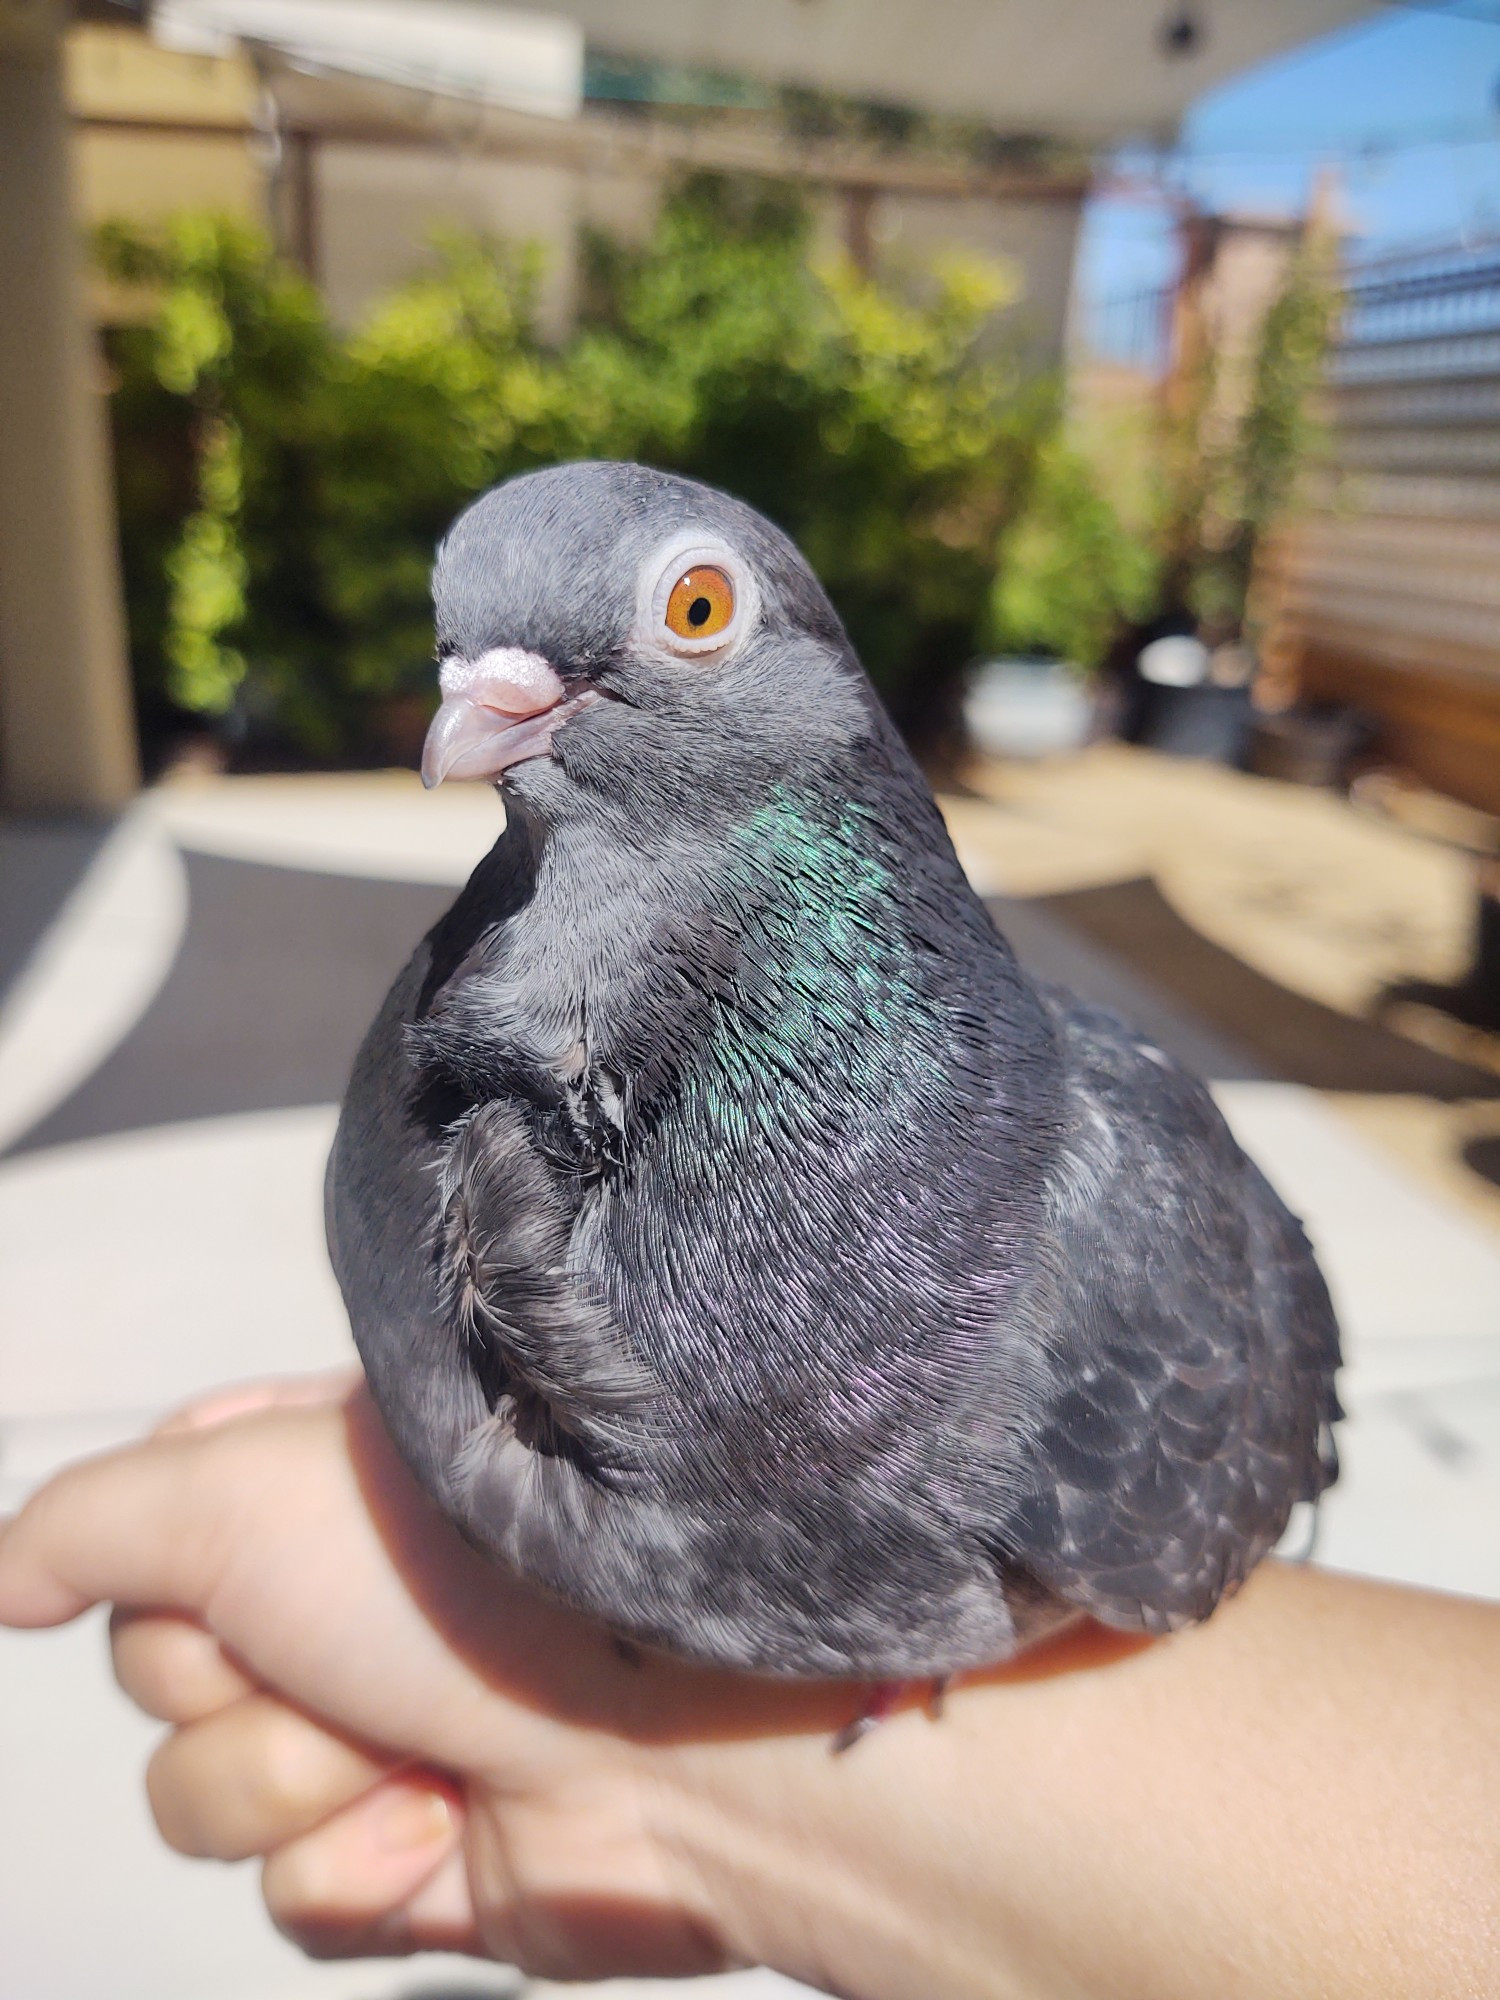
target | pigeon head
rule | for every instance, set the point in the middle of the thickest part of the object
(611, 635)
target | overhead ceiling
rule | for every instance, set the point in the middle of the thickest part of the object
(1091, 70)
(525, 60)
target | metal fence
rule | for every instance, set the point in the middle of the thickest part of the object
(1131, 330)
(1431, 315)
(1387, 590)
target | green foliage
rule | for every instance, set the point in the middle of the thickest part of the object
(1072, 572)
(1129, 520)
(444, 391)
(1232, 480)
(283, 570)
(1279, 427)
(241, 353)
(881, 432)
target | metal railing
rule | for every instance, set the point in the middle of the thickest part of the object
(1387, 579)
(1434, 313)
(1132, 329)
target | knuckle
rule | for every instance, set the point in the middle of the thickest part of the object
(291, 1885)
(312, 1930)
(304, 1903)
(172, 1799)
(171, 1667)
(234, 1785)
(280, 1772)
(146, 1662)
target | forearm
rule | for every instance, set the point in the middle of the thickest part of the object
(1302, 1797)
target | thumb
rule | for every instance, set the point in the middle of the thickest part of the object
(135, 1525)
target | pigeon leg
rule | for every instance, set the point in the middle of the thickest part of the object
(883, 1699)
(880, 1701)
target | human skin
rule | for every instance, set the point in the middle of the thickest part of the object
(1301, 1798)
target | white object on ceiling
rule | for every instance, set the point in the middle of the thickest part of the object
(1094, 71)
(459, 48)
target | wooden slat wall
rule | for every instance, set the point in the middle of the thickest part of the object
(1385, 592)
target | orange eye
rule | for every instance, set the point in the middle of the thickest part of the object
(701, 603)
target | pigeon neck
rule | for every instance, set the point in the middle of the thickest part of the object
(822, 945)
(860, 923)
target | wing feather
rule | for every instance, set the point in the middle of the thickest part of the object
(1193, 1350)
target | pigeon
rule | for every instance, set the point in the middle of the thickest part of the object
(740, 1247)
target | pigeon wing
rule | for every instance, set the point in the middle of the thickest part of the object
(1193, 1350)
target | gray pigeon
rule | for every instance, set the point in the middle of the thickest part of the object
(739, 1246)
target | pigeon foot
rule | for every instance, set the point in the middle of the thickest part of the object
(883, 1699)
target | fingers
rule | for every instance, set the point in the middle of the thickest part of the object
(157, 1523)
(252, 1777)
(384, 1877)
(244, 1399)
(360, 1860)
(173, 1669)
(130, 1525)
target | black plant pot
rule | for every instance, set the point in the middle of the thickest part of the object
(1310, 746)
(1210, 722)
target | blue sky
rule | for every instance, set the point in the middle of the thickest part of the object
(1406, 105)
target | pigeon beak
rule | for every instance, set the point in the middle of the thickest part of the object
(496, 711)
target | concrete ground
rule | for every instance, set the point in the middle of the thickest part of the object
(185, 995)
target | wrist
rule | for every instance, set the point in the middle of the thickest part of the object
(809, 1863)
(909, 1865)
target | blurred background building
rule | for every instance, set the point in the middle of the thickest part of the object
(350, 130)
(350, 127)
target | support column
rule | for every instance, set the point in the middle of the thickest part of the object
(67, 732)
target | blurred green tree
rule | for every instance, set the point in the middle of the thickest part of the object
(1275, 440)
(445, 390)
(283, 580)
(1074, 569)
(1151, 515)
(1233, 451)
(238, 360)
(886, 431)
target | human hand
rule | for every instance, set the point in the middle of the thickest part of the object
(1297, 1798)
(427, 1754)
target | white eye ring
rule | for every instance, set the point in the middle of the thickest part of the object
(693, 550)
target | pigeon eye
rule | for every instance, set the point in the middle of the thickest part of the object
(700, 604)
(697, 598)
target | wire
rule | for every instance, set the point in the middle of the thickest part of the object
(1365, 147)
(1487, 11)
(1356, 146)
